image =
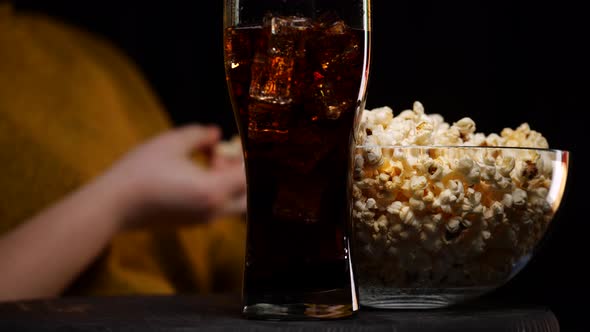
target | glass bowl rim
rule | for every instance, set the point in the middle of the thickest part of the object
(457, 147)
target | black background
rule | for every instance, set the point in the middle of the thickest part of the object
(500, 62)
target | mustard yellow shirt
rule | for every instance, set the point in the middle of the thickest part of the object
(70, 105)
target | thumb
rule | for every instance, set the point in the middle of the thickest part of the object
(191, 138)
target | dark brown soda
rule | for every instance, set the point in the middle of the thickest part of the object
(295, 97)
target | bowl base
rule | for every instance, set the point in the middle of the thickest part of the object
(380, 297)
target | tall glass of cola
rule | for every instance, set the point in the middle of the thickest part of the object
(297, 74)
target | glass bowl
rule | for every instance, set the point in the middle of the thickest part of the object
(437, 225)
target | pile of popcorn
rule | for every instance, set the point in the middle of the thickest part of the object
(425, 215)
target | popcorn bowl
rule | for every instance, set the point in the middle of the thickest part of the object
(433, 226)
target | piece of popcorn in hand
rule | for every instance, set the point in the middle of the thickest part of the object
(230, 149)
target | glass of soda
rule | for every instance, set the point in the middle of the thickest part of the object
(297, 74)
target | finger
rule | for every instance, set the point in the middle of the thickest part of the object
(190, 138)
(235, 206)
(228, 182)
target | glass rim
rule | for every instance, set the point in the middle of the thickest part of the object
(457, 147)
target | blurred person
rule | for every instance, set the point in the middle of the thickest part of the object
(99, 193)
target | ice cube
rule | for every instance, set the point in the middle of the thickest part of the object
(288, 25)
(268, 122)
(275, 74)
(299, 199)
(337, 63)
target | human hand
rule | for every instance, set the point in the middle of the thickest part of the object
(160, 182)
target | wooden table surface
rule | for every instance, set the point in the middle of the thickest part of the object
(221, 312)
